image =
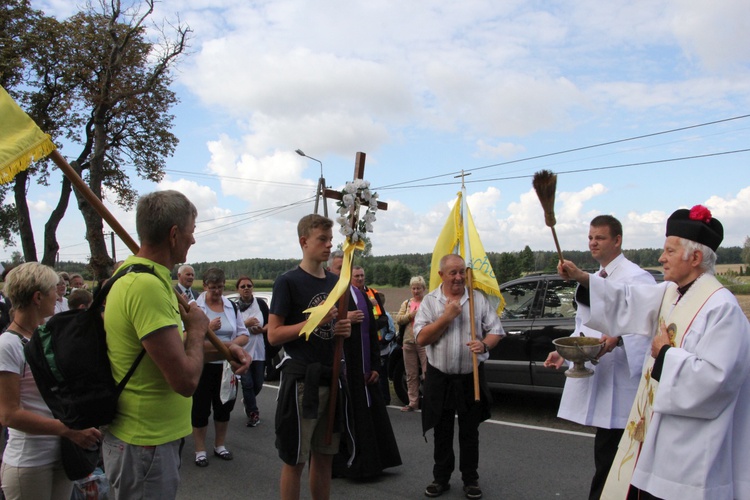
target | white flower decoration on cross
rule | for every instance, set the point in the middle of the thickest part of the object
(354, 195)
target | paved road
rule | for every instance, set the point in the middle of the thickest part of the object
(517, 461)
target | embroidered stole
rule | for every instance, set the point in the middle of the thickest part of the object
(678, 319)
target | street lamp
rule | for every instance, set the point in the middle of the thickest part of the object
(321, 191)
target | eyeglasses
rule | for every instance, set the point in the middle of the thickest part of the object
(213, 288)
(242, 287)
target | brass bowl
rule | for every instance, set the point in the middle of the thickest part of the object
(578, 350)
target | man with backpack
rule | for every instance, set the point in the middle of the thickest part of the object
(141, 448)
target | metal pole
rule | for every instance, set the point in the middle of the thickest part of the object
(114, 254)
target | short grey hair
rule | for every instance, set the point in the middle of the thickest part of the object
(708, 264)
(183, 267)
(336, 254)
(444, 260)
(214, 276)
(25, 280)
(157, 212)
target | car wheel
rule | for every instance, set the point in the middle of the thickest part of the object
(399, 383)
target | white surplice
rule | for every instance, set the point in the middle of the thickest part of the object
(697, 445)
(604, 399)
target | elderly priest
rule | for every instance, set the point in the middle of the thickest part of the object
(688, 434)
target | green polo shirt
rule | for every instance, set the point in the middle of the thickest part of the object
(149, 412)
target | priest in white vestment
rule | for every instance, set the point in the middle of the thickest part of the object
(604, 399)
(688, 433)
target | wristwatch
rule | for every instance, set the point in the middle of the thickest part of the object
(485, 346)
(619, 342)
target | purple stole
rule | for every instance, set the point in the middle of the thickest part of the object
(363, 304)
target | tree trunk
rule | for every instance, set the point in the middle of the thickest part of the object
(51, 246)
(101, 263)
(24, 219)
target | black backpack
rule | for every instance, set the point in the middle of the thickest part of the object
(69, 361)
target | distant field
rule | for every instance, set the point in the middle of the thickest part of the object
(395, 296)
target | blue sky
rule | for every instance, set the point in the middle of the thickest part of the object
(427, 89)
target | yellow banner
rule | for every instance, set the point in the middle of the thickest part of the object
(21, 140)
(451, 240)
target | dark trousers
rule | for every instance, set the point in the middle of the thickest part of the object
(208, 395)
(636, 494)
(605, 449)
(252, 383)
(468, 445)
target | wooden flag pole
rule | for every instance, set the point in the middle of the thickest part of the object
(475, 363)
(95, 202)
(469, 283)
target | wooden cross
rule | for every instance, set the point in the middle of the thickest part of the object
(343, 307)
(359, 173)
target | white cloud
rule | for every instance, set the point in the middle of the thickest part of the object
(717, 33)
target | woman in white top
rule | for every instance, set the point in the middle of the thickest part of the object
(226, 322)
(255, 315)
(32, 467)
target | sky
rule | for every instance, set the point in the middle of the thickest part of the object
(640, 108)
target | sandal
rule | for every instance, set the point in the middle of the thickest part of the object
(224, 454)
(201, 461)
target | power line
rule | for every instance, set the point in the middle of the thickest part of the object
(565, 151)
(240, 179)
(576, 171)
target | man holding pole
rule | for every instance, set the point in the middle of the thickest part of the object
(443, 325)
(141, 448)
(301, 412)
(604, 399)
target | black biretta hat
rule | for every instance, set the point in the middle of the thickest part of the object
(697, 225)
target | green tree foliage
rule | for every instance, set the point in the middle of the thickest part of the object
(507, 266)
(526, 260)
(99, 81)
(17, 28)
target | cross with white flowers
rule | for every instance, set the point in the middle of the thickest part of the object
(357, 191)
(359, 172)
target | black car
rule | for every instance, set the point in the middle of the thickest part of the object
(538, 309)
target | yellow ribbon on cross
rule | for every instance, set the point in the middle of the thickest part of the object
(319, 312)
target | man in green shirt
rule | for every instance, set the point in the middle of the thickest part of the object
(142, 312)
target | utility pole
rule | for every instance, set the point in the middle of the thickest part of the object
(321, 189)
(112, 239)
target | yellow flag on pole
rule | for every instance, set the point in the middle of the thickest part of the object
(21, 140)
(451, 240)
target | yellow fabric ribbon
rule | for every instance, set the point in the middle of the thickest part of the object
(21, 140)
(319, 312)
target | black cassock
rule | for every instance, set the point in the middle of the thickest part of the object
(375, 444)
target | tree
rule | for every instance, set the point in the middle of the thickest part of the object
(746, 250)
(17, 28)
(98, 80)
(122, 101)
(507, 267)
(526, 259)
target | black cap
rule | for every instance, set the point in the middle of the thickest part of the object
(697, 225)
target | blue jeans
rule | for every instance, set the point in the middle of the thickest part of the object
(252, 383)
